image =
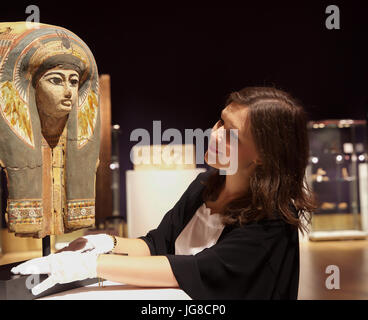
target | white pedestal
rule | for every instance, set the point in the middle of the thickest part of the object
(151, 194)
(363, 194)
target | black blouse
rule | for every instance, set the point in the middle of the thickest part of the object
(254, 261)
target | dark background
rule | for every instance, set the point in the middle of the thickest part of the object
(177, 64)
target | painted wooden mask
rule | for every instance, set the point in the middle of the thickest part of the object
(48, 80)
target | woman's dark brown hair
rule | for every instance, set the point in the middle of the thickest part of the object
(278, 125)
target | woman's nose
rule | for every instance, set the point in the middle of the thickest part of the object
(217, 136)
(220, 134)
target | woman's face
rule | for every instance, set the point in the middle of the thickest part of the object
(232, 148)
(57, 92)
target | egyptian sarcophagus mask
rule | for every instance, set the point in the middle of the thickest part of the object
(49, 129)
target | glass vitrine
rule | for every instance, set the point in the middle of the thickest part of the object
(338, 175)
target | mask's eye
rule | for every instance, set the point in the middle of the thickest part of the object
(56, 80)
(74, 82)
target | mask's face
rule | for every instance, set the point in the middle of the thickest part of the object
(57, 92)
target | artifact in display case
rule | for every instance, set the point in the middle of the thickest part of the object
(49, 131)
(337, 173)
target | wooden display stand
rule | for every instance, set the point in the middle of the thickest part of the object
(103, 176)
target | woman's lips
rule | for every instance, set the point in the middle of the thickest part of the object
(213, 149)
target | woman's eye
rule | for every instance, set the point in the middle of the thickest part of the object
(56, 81)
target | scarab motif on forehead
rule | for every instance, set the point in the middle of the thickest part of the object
(65, 40)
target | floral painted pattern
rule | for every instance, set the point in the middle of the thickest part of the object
(81, 210)
(16, 112)
(25, 212)
(87, 117)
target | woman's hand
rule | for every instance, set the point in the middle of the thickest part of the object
(64, 267)
(99, 243)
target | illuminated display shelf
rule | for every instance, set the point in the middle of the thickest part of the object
(338, 175)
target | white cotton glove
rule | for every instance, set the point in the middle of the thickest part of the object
(63, 267)
(99, 243)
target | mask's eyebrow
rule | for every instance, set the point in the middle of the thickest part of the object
(55, 72)
(74, 75)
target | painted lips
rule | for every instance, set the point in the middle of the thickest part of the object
(66, 103)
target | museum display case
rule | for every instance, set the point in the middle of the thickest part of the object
(338, 175)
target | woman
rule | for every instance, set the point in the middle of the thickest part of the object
(229, 236)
